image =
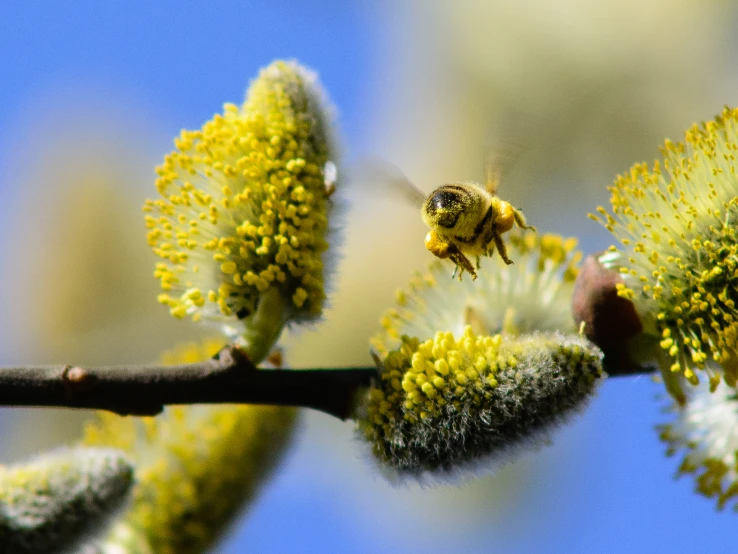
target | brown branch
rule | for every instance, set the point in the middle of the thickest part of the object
(229, 377)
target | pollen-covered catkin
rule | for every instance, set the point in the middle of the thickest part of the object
(675, 223)
(446, 404)
(532, 295)
(243, 225)
(470, 371)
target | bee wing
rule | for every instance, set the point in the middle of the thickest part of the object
(379, 174)
(497, 161)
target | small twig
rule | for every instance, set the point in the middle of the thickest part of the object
(229, 377)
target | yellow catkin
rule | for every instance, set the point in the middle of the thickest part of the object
(676, 224)
(533, 295)
(198, 466)
(441, 420)
(468, 369)
(466, 351)
(244, 204)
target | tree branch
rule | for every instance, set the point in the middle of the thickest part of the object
(229, 377)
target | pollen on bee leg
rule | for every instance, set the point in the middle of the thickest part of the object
(436, 246)
(505, 218)
(442, 249)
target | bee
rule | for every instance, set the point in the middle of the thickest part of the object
(466, 219)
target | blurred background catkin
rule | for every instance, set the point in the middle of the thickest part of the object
(93, 95)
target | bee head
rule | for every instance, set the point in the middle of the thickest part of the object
(443, 207)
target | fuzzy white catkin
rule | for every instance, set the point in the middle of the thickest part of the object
(526, 387)
(62, 499)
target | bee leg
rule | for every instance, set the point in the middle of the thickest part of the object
(442, 249)
(520, 220)
(478, 266)
(502, 249)
(463, 262)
